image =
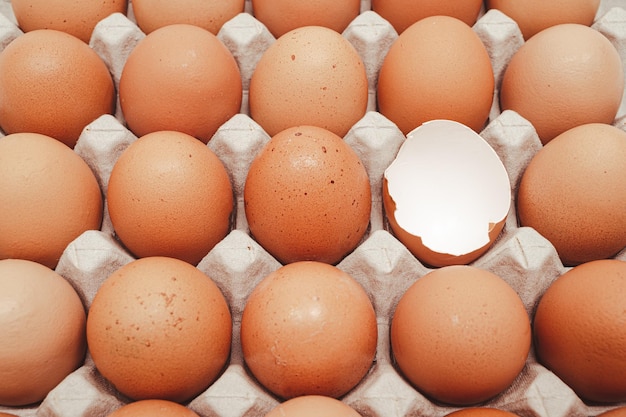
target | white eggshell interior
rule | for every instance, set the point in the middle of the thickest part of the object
(449, 187)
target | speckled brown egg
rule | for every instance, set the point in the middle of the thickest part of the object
(180, 77)
(460, 335)
(532, 16)
(208, 14)
(438, 68)
(307, 196)
(170, 195)
(281, 16)
(579, 330)
(153, 408)
(403, 13)
(42, 322)
(54, 84)
(308, 329)
(572, 193)
(77, 18)
(313, 406)
(310, 76)
(48, 197)
(564, 76)
(159, 328)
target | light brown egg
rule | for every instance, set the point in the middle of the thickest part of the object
(579, 330)
(307, 196)
(616, 412)
(460, 335)
(403, 13)
(480, 412)
(309, 76)
(170, 195)
(572, 193)
(308, 329)
(436, 69)
(180, 77)
(532, 16)
(48, 197)
(42, 322)
(313, 406)
(75, 17)
(159, 328)
(54, 84)
(153, 408)
(208, 14)
(281, 16)
(564, 76)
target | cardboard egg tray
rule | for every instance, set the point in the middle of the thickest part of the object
(380, 263)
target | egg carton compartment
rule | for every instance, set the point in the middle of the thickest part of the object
(381, 264)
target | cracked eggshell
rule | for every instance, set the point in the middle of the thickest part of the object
(446, 194)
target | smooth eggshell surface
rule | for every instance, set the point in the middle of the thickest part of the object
(77, 18)
(180, 77)
(307, 196)
(572, 193)
(153, 408)
(403, 13)
(282, 16)
(208, 14)
(532, 16)
(42, 322)
(579, 330)
(565, 76)
(481, 412)
(170, 195)
(312, 406)
(142, 322)
(308, 329)
(54, 84)
(309, 76)
(436, 69)
(49, 197)
(460, 334)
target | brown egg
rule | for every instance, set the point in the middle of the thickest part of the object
(180, 77)
(208, 14)
(616, 412)
(308, 329)
(153, 408)
(307, 196)
(170, 195)
(579, 330)
(7, 415)
(309, 76)
(481, 412)
(313, 406)
(572, 193)
(460, 335)
(281, 16)
(159, 328)
(48, 197)
(403, 13)
(532, 16)
(565, 76)
(52, 83)
(436, 69)
(42, 322)
(77, 18)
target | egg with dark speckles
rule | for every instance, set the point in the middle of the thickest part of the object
(307, 196)
(159, 328)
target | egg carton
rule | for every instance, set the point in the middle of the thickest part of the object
(381, 264)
